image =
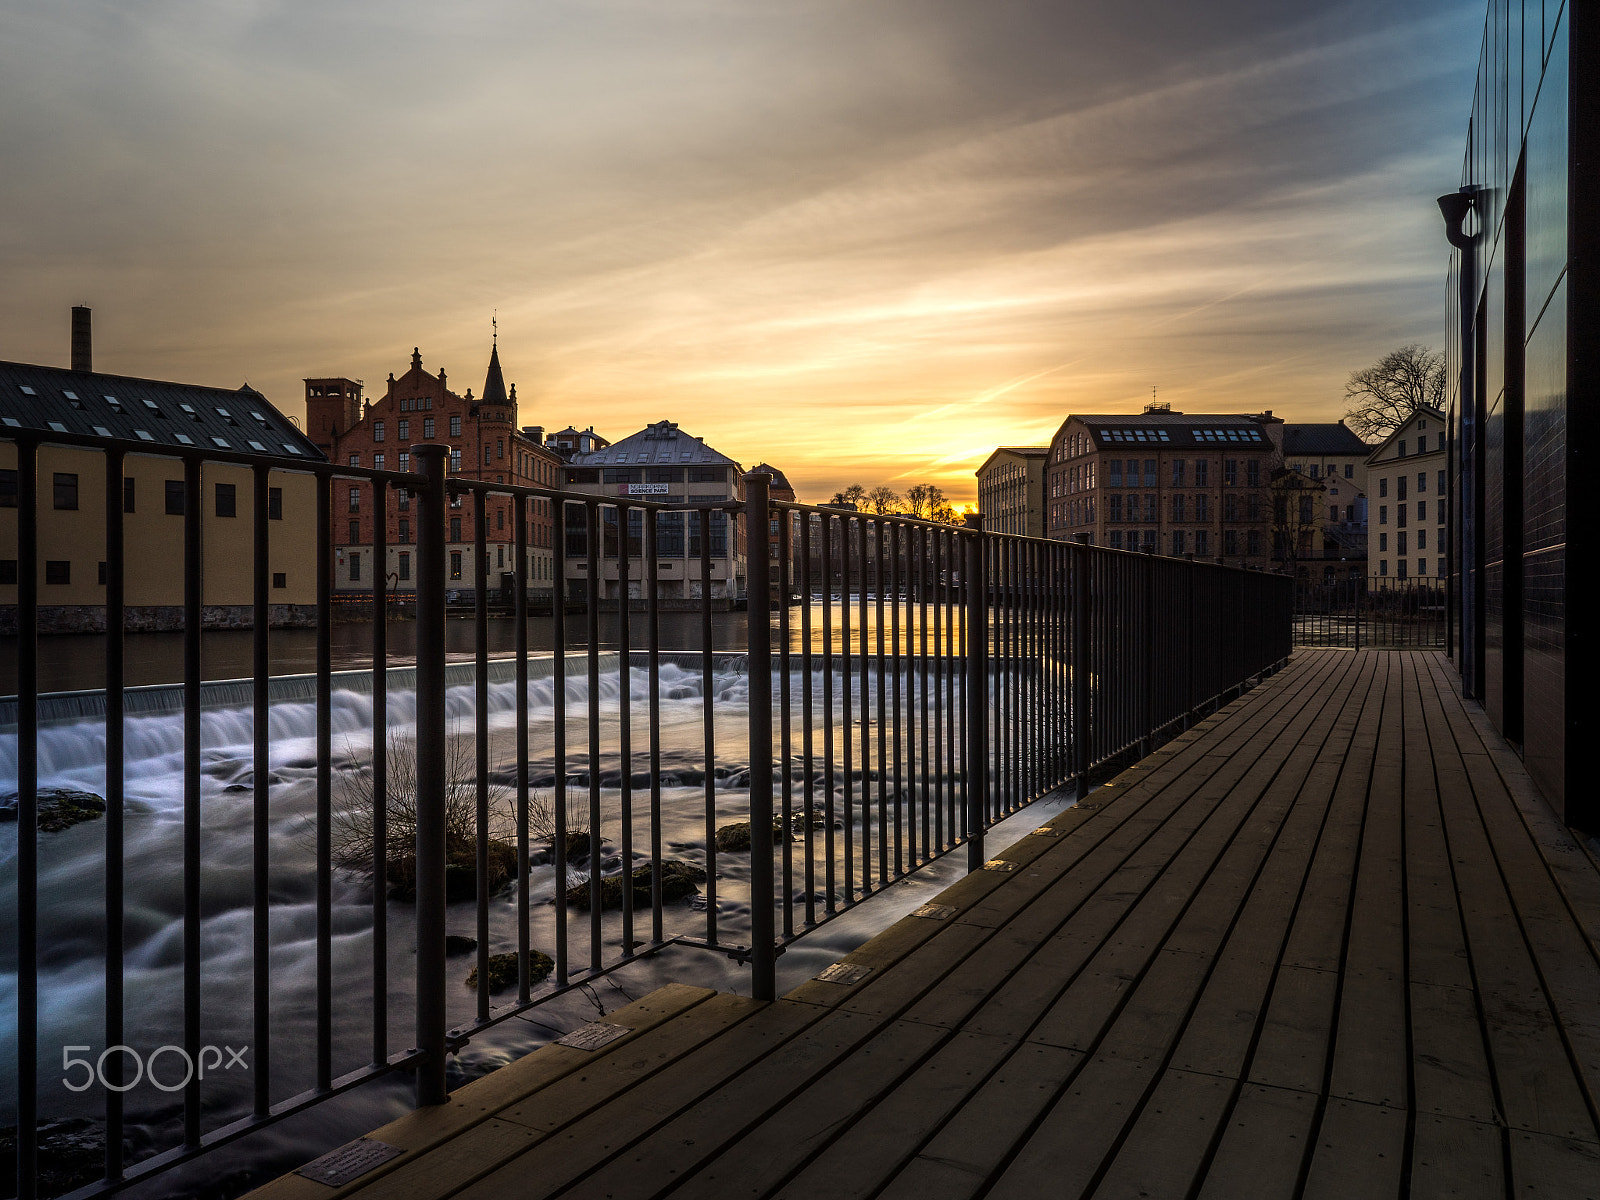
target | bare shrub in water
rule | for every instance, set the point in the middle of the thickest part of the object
(353, 819)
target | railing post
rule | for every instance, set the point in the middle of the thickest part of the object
(758, 611)
(432, 1018)
(977, 690)
(1081, 725)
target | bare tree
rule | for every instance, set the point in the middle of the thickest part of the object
(1381, 398)
(925, 499)
(854, 494)
(883, 499)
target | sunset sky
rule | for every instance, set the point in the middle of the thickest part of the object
(864, 240)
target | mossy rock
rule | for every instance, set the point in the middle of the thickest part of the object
(678, 880)
(59, 808)
(503, 970)
(460, 871)
(735, 838)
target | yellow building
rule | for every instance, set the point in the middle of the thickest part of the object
(154, 422)
(1407, 496)
(1011, 490)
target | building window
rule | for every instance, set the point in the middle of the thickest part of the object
(1422, 539)
(280, 579)
(355, 568)
(1253, 507)
(355, 499)
(1401, 453)
(1202, 542)
(1400, 488)
(405, 531)
(404, 504)
(355, 532)
(1252, 539)
(1150, 472)
(1383, 514)
(1422, 566)
(405, 465)
(377, 431)
(1177, 472)
(1116, 539)
(500, 518)
(1383, 541)
(355, 460)
(1230, 541)
(227, 500)
(1177, 542)
(1440, 488)
(1114, 508)
(1333, 512)
(1422, 482)
(405, 427)
(66, 490)
(427, 428)
(405, 565)
(1202, 472)
(1316, 471)
(1349, 471)
(175, 497)
(487, 457)
(1252, 472)
(1400, 543)
(1383, 487)
(1115, 477)
(1230, 471)
(377, 462)
(127, 494)
(455, 529)
(499, 448)
(1202, 508)
(1399, 514)
(455, 461)
(1383, 566)
(1177, 507)
(57, 571)
(275, 504)
(8, 487)
(8, 571)
(1422, 511)
(455, 425)
(455, 564)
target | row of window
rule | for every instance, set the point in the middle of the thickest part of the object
(1422, 445)
(1400, 541)
(58, 573)
(64, 488)
(1401, 481)
(1400, 513)
(1333, 471)
(1197, 542)
(1400, 566)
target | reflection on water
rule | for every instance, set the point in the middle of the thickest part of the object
(76, 662)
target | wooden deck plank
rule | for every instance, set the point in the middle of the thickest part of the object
(1317, 947)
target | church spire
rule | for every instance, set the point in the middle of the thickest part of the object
(494, 386)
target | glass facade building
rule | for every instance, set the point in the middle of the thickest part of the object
(1522, 350)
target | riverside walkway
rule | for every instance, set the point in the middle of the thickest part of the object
(1328, 943)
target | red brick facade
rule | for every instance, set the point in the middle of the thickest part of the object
(485, 444)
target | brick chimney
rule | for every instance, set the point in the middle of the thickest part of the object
(82, 349)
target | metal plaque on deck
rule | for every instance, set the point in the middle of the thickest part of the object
(845, 973)
(999, 864)
(936, 912)
(338, 1167)
(593, 1035)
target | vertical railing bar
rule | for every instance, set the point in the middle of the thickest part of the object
(521, 535)
(977, 695)
(807, 715)
(431, 1008)
(866, 712)
(625, 715)
(1082, 563)
(324, 754)
(193, 599)
(27, 816)
(480, 735)
(786, 719)
(879, 590)
(829, 905)
(652, 622)
(380, 761)
(758, 610)
(558, 780)
(908, 803)
(846, 708)
(708, 719)
(592, 638)
(925, 551)
(952, 664)
(116, 778)
(897, 702)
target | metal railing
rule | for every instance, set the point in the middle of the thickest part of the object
(929, 681)
(1377, 612)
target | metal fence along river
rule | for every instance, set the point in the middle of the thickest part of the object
(267, 863)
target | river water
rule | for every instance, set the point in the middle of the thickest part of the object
(71, 865)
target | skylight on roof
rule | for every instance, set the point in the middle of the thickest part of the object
(102, 431)
(255, 445)
(58, 426)
(69, 395)
(114, 402)
(26, 390)
(13, 422)
(151, 405)
(144, 435)
(221, 441)
(291, 449)
(184, 438)
(258, 416)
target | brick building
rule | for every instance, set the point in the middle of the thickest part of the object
(1166, 482)
(485, 444)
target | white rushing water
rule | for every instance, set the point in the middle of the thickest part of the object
(72, 899)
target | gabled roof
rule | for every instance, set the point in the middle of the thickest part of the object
(1019, 451)
(779, 480)
(1424, 411)
(660, 443)
(147, 410)
(1335, 438)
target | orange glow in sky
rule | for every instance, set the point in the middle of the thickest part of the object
(863, 242)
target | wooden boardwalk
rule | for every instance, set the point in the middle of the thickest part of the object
(1328, 943)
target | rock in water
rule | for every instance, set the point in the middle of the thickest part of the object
(503, 970)
(455, 943)
(678, 879)
(732, 839)
(59, 808)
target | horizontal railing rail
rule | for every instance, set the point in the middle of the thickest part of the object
(582, 801)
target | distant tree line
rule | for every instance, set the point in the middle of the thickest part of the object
(924, 500)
